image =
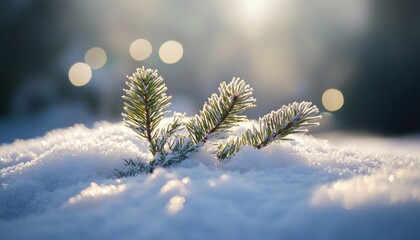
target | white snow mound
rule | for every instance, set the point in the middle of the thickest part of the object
(64, 186)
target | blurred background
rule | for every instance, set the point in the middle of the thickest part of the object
(65, 62)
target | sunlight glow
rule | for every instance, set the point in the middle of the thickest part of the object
(253, 17)
(140, 49)
(80, 74)
(95, 58)
(391, 178)
(385, 186)
(254, 8)
(224, 177)
(186, 180)
(172, 185)
(332, 99)
(171, 52)
(95, 191)
(212, 182)
(176, 204)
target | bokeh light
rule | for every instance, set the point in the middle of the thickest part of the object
(80, 74)
(95, 57)
(287, 50)
(332, 99)
(140, 49)
(171, 52)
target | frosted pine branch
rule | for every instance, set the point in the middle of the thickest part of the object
(176, 124)
(229, 148)
(132, 168)
(293, 118)
(221, 111)
(163, 141)
(179, 149)
(145, 104)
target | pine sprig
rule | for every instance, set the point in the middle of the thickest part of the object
(290, 119)
(145, 106)
(218, 114)
(176, 124)
(221, 111)
(146, 103)
(230, 147)
(166, 137)
(293, 118)
(133, 168)
(179, 149)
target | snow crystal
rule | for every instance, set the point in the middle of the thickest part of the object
(64, 186)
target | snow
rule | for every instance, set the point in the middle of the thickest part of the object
(64, 186)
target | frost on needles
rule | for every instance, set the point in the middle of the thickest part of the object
(293, 118)
(145, 106)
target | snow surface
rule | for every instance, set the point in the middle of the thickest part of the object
(64, 186)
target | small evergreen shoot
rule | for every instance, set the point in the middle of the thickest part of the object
(145, 106)
(221, 111)
(146, 103)
(293, 118)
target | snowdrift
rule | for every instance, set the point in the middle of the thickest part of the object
(64, 186)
